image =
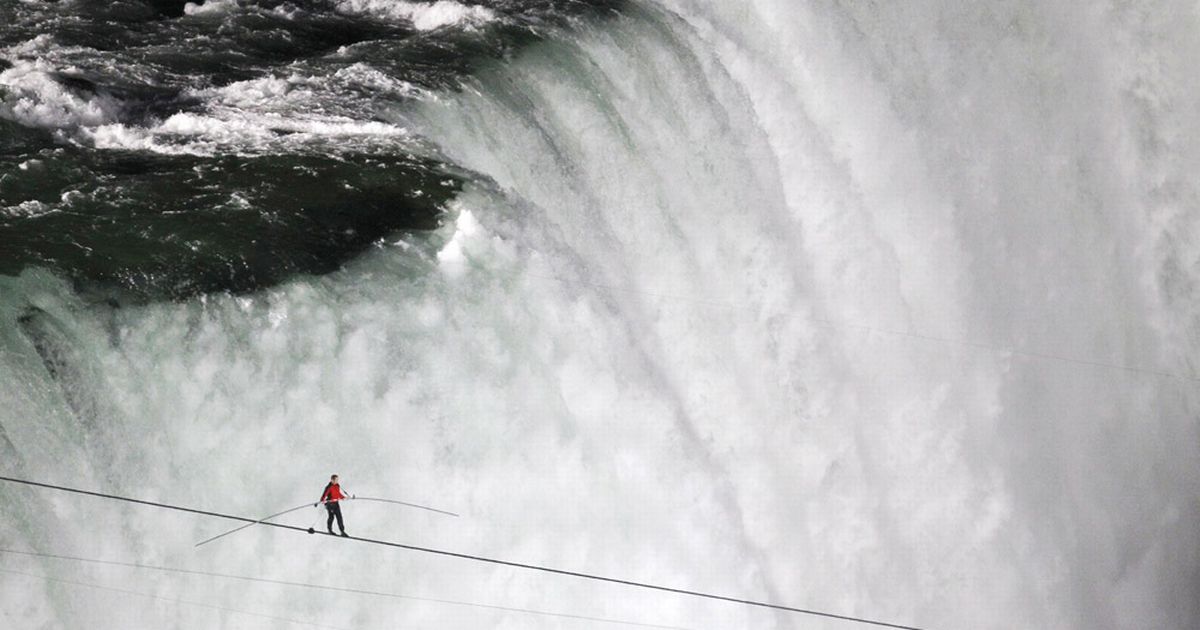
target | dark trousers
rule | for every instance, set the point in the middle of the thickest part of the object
(334, 510)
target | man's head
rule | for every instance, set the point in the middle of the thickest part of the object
(333, 479)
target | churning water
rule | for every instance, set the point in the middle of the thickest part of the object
(883, 310)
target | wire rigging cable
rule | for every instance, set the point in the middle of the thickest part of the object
(465, 556)
(184, 602)
(340, 589)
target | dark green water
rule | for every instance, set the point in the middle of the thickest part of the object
(153, 149)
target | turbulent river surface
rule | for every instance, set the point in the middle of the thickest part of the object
(884, 310)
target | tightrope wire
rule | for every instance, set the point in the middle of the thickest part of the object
(466, 556)
(305, 504)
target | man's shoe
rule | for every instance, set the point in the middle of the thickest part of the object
(345, 535)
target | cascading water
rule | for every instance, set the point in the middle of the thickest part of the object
(882, 311)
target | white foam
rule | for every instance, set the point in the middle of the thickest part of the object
(869, 175)
(761, 348)
(211, 7)
(119, 136)
(270, 113)
(453, 255)
(423, 16)
(253, 93)
(30, 95)
(266, 114)
(40, 45)
(361, 75)
(27, 209)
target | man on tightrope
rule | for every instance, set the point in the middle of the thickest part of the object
(330, 497)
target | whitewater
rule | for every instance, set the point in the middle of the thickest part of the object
(889, 311)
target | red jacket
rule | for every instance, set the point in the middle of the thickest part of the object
(333, 492)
